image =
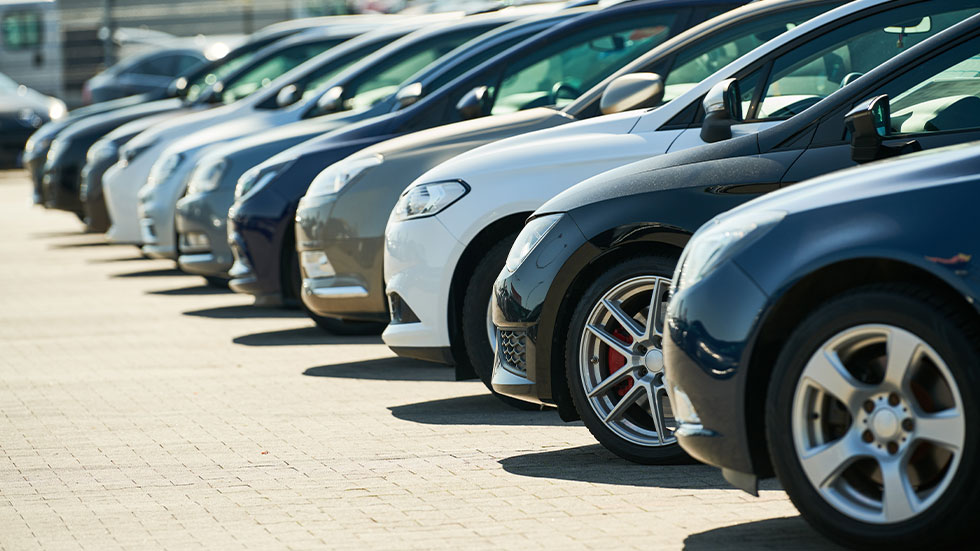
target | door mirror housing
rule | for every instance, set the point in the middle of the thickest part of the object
(722, 108)
(408, 95)
(472, 104)
(288, 95)
(869, 124)
(330, 101)
(633, 91)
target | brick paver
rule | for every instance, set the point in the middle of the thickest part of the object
(140, 409)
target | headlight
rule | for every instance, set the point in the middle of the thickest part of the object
(58, 146)
(57, 110)
(529, 237)
(258, 177)
(101, 151)
(428, 199)
(162, 169)
(718, 240)
(340, 174)
(207, 176)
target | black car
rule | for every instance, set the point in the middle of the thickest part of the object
(261, 221)
(579, 307)
(828, 334)
(148, 72)
(62, 169)
(22, 111)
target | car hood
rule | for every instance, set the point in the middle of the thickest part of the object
(931, 168)
(645, 176)
(532, 149)
(105, 121)
(190, 117)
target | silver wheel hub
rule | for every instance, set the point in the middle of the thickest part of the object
(621, 362)
(878, 423)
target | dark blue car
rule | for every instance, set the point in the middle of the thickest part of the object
(261, 220)
(828, 334)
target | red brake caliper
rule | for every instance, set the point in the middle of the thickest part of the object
(615, 361)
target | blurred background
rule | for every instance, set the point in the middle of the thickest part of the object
(56, 46)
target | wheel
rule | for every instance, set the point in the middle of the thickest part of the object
(478, 330)
(336, 326)
(867, 419)
(216, 282)
(614, 363)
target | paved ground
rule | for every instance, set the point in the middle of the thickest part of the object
(140, 409)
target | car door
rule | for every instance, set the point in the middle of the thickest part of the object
(814, 66)
(935, 103)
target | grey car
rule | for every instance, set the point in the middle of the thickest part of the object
(202, 212)
(339, 234)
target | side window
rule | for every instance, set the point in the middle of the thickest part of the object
(384, 80)
(561, 71)
(447, 76)
(21, 30)
(941, 95)
(819, 67)
(270, 69)
(312, 82)
(160, 65)
(699, 61)
(185, 63)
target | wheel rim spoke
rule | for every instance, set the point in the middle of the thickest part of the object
(611, 382)
(902, 348)
(625, 402)
(629, 324)
(611, 341)
(827, 372)
(898, 499)
(946, 429)
(824, 464)
(654, 312)
(657, 410)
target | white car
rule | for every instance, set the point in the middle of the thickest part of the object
(450, 233)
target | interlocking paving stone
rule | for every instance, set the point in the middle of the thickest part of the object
(140, 409)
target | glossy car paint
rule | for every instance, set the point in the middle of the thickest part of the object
(127, 77)
(654, 206)
(205, 213)
(907, 216)
(257, 266)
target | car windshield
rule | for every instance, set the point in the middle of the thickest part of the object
(271, 68)
(311, 83)
(229, 65)
(947, 98)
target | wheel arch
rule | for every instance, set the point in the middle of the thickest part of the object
(797, 302)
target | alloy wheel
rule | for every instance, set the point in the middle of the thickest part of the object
(621, 361)
(878, 423)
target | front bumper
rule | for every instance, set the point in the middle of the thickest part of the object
(121, 186)
(34, 163)
(93, 200)
(202, 233)
(419, 260)
(256, 254)
(707, 348)
(342, 273)
(60, 188)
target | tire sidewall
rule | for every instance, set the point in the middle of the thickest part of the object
(916, 316)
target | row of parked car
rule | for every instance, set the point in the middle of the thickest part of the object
(583, 207)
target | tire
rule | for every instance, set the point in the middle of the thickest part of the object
(476, 304)
(632, 433)
(943, 374)
(336, 326)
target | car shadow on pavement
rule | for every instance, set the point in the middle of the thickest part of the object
(245, 311)
(478, 409)
(49, 234)
(384, 369)
(111, 260)
(301, 336)
(159, 272)
(775, 533)
(595, 464)
(191, 291)
(79, 245)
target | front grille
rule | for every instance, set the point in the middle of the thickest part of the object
(513, 350)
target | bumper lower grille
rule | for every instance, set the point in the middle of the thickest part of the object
(513, 351)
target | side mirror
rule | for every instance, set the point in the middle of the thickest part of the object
(409, 95)
(633, 91)
(330, 101)
(287, 95)
(868, 124)
(471, 105)
(722, 108)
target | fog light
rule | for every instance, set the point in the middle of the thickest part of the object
(316, 264)
(194, 242)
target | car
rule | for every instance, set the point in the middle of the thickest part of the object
(376, 176)
(266, 264)
(22, 111)
(845, 366)
(147, 72)
(498, 185)
(201, 214)
(248, 91)
(579, 305)
(366, 84)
